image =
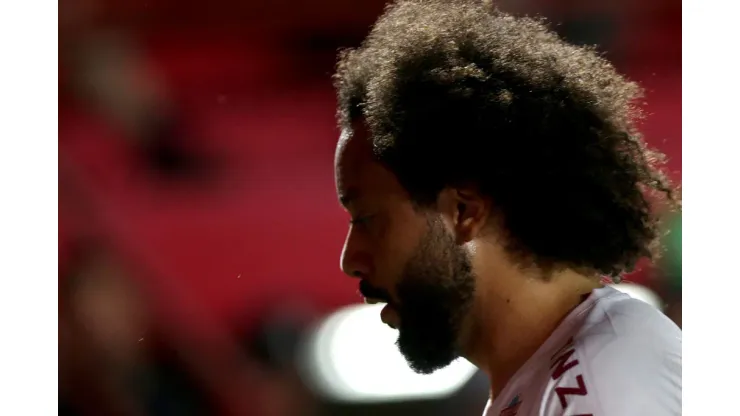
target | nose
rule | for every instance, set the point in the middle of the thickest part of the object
(354, 260)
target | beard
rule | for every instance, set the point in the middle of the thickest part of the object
(435, 293)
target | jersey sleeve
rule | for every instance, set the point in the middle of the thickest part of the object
(615, 376)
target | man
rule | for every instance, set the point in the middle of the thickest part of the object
(494, 175)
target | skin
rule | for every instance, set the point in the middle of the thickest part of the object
(513, 309)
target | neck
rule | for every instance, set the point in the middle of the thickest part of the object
(514, 314)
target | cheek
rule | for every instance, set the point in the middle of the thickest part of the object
(398, 239)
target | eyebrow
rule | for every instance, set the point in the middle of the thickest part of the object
(346, 198)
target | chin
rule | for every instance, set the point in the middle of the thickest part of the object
(426, 356)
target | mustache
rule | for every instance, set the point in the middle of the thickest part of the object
(369, 291)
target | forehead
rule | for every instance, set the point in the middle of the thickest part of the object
(357, 173)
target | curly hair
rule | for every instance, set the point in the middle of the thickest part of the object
(458, 93)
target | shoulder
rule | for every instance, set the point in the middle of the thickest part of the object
(626, 359)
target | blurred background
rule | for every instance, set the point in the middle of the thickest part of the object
(199, 233)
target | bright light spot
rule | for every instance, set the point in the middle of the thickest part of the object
(352, 357)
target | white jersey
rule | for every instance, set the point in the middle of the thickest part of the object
(611, 356)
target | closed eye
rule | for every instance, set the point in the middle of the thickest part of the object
(360, 220)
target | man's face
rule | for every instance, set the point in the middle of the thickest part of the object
(404, 256)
